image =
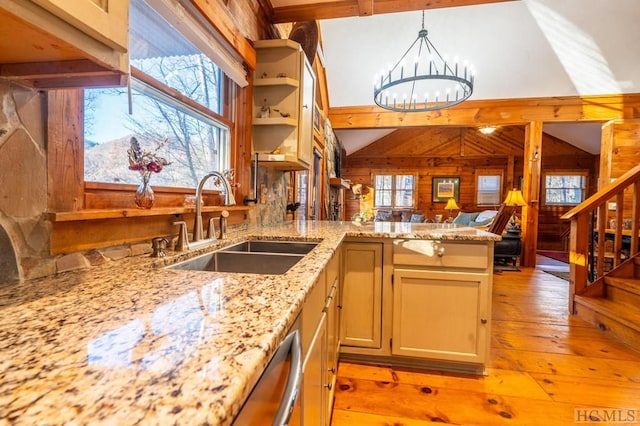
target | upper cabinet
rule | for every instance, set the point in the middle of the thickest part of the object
(60, 43)
(283, 99)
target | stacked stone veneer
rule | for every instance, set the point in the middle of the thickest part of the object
(272, 204)
(24, 238)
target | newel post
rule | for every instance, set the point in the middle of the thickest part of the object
(578, 256)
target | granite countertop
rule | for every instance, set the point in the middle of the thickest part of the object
(129, 342)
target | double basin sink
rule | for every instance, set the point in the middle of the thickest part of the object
(250, 257)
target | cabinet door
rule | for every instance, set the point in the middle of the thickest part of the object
(104, 20)
(333, 330)
(361, 295)
(441, 315)
(313, 379)
(307, 101)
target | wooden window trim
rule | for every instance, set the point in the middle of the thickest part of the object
(563, 172)
(147, 79)
(395, 172)
(490, 172)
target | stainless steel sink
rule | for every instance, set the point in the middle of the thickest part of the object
(240, 262)
(250, 257)
(263, 246)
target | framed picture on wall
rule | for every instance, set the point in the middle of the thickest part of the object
(445, 188)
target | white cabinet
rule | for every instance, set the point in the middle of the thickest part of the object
(104, 20)
(64, 43)
(441, 315)
(361, 314)
(332, 308)
(314, 391)
(283, 100)
(417, 302)
(442, 300)
(320, 324)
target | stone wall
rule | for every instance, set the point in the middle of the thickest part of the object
(272, 202)
(24, 238)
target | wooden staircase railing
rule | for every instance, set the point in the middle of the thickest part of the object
(588, 246)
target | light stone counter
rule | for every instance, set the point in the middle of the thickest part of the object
(129, 342)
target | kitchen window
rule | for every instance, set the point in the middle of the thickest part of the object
(394, 190)
(177, 94)
(564, 188)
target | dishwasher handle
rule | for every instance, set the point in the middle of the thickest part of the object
(293, 380)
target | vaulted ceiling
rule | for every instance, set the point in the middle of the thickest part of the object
(521, 48)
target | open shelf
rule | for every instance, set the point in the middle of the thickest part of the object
(278, 81)
(95, 214)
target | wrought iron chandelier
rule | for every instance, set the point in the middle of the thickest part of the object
(429, 82)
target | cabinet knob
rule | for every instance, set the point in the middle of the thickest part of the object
(328, 386)
(332, 370)
(440, 252)
(483, 320)
(305, 106)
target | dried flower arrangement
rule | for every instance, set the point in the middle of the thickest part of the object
(144, 161)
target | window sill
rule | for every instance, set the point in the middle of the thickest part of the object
(97, 214)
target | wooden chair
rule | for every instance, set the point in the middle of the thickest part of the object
(501, 220)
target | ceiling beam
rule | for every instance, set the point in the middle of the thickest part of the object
(365, 7)
(347, 8)
(494, 112)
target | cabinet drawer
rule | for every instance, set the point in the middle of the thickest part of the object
(443, 254)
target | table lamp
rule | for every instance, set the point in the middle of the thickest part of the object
(451, 205)
(515, 200)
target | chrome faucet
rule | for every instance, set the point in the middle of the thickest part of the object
(229, 200)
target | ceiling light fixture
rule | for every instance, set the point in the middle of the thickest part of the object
(487, 130)
(429, 82)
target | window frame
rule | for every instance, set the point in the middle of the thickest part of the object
(576, 172)
(106, 194)
(393, 174)
(490, 172)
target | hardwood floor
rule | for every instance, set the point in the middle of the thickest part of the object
(545, 365)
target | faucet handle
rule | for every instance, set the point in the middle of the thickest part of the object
(212, 229)
(158, 245)
(182, 243)
(223, 224)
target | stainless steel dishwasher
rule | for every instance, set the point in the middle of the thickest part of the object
(274, 399)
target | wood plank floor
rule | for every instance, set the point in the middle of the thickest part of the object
(545, 365)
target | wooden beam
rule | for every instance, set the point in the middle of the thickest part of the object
(65, 164)
(221, 19)
(347, 8)
(531, 192)
(497, 112)
(365, 7)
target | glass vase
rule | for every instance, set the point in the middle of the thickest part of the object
(144, 194)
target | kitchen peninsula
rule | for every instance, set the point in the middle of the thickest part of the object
(130, 342)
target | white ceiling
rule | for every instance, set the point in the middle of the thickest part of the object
(521, 49)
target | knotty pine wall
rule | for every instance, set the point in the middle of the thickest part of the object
(620, 153)
(462, 152)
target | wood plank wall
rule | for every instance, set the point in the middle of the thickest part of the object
(462, 152)
(620, 153)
